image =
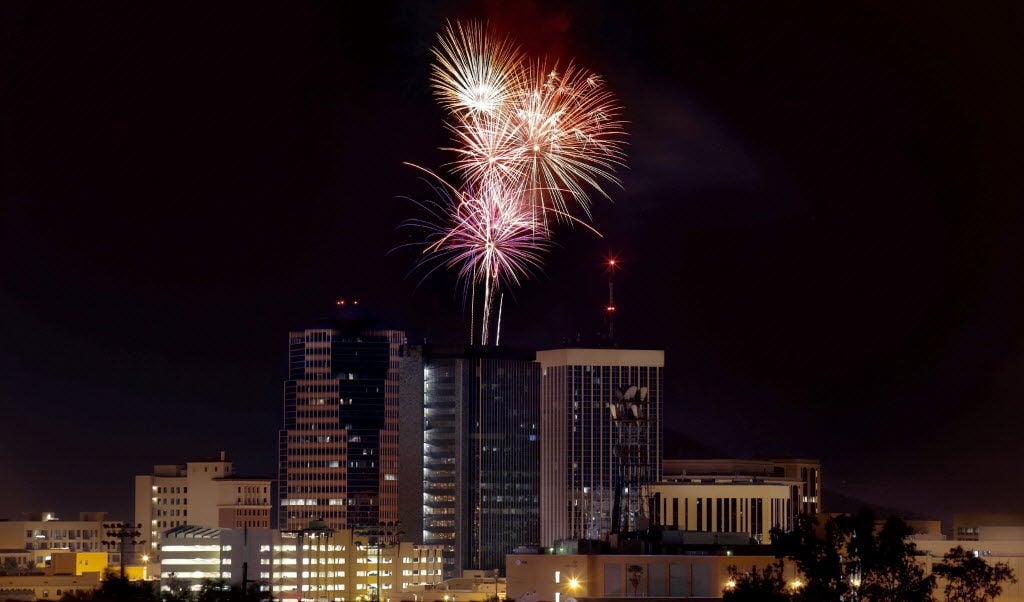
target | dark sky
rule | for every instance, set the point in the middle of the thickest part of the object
(820, 224)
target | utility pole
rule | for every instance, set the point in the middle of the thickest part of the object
(379, 537)
(123, 534)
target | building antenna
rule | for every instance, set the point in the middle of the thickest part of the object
(611, 264)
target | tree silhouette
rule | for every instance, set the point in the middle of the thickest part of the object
(890, 572)
(970, 579)
(845, 559)
(766, 585)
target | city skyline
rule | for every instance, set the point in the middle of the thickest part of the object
(818, 225)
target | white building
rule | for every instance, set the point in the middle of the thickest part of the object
(752, 508)
(204, 493)
(803, 472)
(601, 426)
(309, 565)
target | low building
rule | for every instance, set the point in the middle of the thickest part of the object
(803, 473)
(65, 573)
(204, 492)
(307, 564)
(557, 578)
(752, 507)
(992, 537)
(967, 526)
(43, 533)
(46, 587)
(472, 586)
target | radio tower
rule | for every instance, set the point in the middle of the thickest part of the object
(611, 264)
(630, 413)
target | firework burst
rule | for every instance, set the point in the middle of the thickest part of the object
(474, 71)
(487, 236)
(531, 140)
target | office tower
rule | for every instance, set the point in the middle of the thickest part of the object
(204, 492)
(338, 450)
(601, 420)
(410, 452)
(480, 454)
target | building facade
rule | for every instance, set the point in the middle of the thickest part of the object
(30, 588)
(601, 416)
(338, 450)
(204, 492)
(967, 526)
(481, 454)
(44, 534)
(559, 578)
(802, 473)
(752, 508)
(314, 564)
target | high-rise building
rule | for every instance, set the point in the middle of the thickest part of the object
(338, 450)
(601, 419)
(481, 454)
(203, 492)
(410, 452)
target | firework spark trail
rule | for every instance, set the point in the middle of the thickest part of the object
(474, 71)
(487, 236)
(529, 142)
(570, 134)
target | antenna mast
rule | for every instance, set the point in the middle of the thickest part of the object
(611, 265)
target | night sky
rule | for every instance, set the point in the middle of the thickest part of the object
(820, 224)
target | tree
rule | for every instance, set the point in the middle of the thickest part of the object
(766, 585)
(890, 571)
(845, 559)
(114, 588)
(78, 595)
(817, 554)
(970, 579)
(214, 590)
(177, 590)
